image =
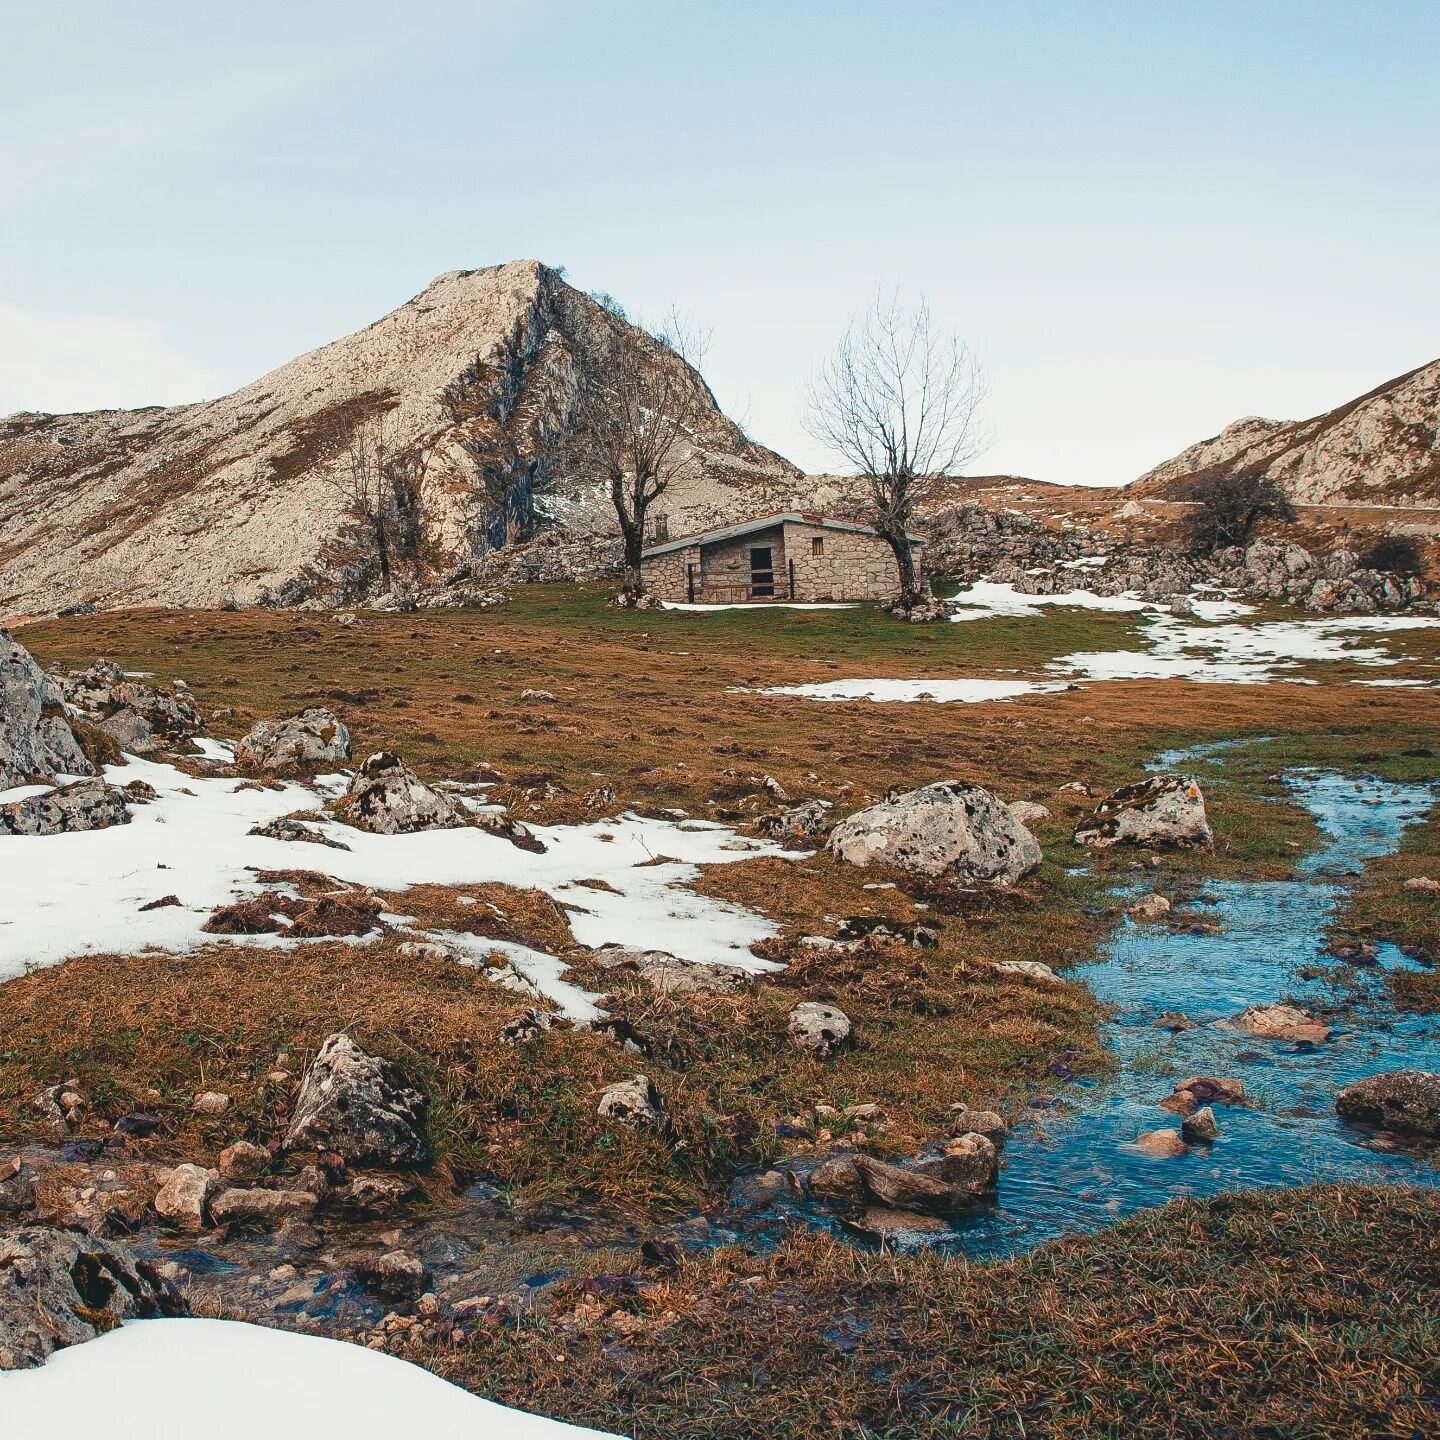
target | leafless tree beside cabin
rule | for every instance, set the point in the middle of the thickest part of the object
(380, 485)
(638, 399)
(899, 401)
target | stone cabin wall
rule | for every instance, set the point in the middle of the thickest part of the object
(666, 576)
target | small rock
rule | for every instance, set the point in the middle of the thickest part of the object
(376, 1194)
(636, 1103)
(182, 1198)
(1200, 1126)
(1174, 1021)
(1279, 1022)
(1032, 968)
(1406, 1101)
(1149, 907)
(397, 1276)
(988, 1123)
(1029, 812)
(210, 1102)
(243, 1161)
(1199, 1090)
(820, 1030)
(1161, 1144)
(261, 1206)
(1422, 882)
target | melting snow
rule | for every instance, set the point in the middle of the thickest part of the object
(307, 1386)
(943, 691)
(67, 895)
(763, 605)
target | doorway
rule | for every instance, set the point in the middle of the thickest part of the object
(762, 572)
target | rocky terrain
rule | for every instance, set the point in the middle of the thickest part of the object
(1383, 446)
(234, 499)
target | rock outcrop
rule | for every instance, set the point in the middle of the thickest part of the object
(59, 1288)
(82, 805)
(36, 742)
(388, 798)
(359, 1106)
(139, 718)
(950, 829)
(312, 738)
(1166, 811)
(1407, 1101)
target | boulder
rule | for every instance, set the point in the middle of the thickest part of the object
(838, 1181)
(386, 797)
(950, 829)
(1160, 1144)
(60, 1288)
(1029, 812)
(1149, 907)
(820, 1030)
(261, 1207)
(1165, 811)
(131, 731)
(1279, 1022)
(103, 693)
(1407, 1101)
(1033, 969)
(969, 1166)
(359, 1106)
(84, 805)
(397, 1276)
(1189, 1095)
(296, 832)
(184, 1194)
(305, 741)
(36, 742)
(989, 1123)
(635, 1103)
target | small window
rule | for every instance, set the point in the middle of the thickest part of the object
(817, 546)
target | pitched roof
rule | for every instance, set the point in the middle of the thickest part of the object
(765, 522)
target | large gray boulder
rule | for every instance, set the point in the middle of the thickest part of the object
(388, 798)
(83, 805)
(360, 1106)
(139, 717)
(951, 829)
(36, 742)
(1166, 811)
(312, 738)
(1407, 1101)
(59, 1288)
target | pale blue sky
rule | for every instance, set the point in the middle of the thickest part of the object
(1147, 218)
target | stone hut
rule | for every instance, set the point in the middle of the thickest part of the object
(790, 556)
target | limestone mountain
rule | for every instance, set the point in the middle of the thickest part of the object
(242, 496)
(1381, 448)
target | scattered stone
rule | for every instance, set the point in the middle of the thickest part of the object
(636, 1103)
(820, 1030)
(397, 1276)
(376, 1194)
(183, 1196)
(529, 1025)
(988, 1123)
(536, 695)
(312, 738)
(969, 1166)
(1279, 1022)
(387, 798)
(84, 805)
(424, 950)
(1149, 907)
(360, 1106)
(17, 1188)
(264, 1207)
(1164, 811)
(1174, 1021)
(1034, 969)
(242, 1161)
(1200, 1126)
(804, 824)
(951, 829)
(1405, 1101)
(669, 974)
(1029, 812)
(210, 1102)
(296, 832)
(1422, 882)
(1161, 1144)
(1198, 1090)
(60, 1288)
(62, 1105)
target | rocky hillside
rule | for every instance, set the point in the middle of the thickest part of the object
(1382, 448)
(236, 497)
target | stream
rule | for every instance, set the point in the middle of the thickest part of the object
(1070, 1164)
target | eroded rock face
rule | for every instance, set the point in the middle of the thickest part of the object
(360, 1106)
(1166, 811)
(1407, 1101)
(388, 798)
(818, 1029)
(312, 738)
(35, 740)
(58, 1288)
(84, 805)
(951, 829)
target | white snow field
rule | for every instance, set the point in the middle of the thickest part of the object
(68, 895)
(969, 692)
(232, 1381)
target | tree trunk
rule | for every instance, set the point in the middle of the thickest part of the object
(382, 550)
(905, 564)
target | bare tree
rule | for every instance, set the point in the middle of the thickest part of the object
(638, 400)
(380, 484)
(899, 401)
(1229, 506)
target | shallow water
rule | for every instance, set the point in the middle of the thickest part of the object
(1070, 1165)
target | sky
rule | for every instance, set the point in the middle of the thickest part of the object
(1147, 219)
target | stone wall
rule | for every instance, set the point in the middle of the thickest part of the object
(666, 576)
